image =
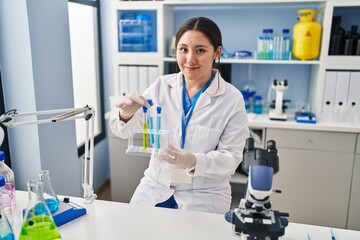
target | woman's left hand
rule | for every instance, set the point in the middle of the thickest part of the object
(178, 157)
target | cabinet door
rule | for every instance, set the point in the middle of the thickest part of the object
(314, 176)
(126, 171)
(354, 207)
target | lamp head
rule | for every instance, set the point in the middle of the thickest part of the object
(2, 135)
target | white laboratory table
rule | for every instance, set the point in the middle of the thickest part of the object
(114, 220)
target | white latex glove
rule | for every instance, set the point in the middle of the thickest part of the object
(130, 104)
(178, 157)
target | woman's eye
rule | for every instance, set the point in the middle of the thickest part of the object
(183, 50)
(201, 50)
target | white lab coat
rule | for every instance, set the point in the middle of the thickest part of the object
(216, 135)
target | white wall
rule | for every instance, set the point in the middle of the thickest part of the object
(36, 66)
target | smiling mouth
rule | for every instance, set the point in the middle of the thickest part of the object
(191, 68)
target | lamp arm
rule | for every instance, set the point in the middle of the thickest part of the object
(87, 113)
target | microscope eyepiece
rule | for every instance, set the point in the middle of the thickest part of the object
(249, 144)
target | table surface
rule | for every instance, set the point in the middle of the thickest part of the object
(114, 220)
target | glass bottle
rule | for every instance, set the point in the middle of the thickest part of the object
(5, 201)
(6, 231)
(38, 222)
(50, 197)
(337, 37)
(9, 178)
(258, 107)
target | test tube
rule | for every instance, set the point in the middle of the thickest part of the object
(145, 128)
(158, 127)
(151, 122)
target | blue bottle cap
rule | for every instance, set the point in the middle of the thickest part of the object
(2, 156)
(158, 109)
(144, 109)
(258, 97)
(150, 102)
(2, 181)
(286, 31)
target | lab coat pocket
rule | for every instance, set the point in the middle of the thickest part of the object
(205, 139)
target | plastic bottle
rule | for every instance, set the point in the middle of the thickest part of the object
(5, 201)
(306, 36)
(258, 107)
(265, 44)
(285, 44)
(6, 231)
(9, 178)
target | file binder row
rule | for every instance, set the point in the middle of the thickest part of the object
(341, 97)
(135, 78)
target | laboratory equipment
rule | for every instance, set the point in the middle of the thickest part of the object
(163, 138)
(265, 44)
(279, 112)
(158, 127)
(145, 128)
(337, 37)
(38, 222)
(305, 117)
(59, 115)
(50, 197)
(9, 177)
(6, 201)
(151, 121)
(306, 36)
(258, 106)
(6, 231)
(254, 217)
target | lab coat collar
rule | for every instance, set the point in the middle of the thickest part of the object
(216, 88)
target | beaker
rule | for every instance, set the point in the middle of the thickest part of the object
(38, 222)
(50, 197)
(6, 232)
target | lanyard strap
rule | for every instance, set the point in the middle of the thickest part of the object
(186, 118)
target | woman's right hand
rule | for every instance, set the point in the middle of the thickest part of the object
(130, 104)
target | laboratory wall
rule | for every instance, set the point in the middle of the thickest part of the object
(36, 70)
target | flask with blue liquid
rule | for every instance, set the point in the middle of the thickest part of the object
(6, 231)
(258, 106)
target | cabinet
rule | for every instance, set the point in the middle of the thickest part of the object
(354, 207)
(315, 175)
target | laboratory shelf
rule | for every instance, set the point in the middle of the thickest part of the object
(256, 61)
(227, 2)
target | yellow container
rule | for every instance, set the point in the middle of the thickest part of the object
(306, 36)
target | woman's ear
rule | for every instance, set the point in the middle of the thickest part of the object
(218, 53)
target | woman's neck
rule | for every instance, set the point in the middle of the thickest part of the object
(192, 87)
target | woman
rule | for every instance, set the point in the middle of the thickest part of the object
(209, 119)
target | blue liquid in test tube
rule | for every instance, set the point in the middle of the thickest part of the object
(158, 128)
(151, 122)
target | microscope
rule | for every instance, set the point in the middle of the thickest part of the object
(279, 112)
(254, 218)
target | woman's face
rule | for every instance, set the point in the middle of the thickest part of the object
(195, 56)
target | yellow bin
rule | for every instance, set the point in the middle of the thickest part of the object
(306, 36)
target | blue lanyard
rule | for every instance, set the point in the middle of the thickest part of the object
(185, 119)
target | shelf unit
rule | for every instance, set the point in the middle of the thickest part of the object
(311, 74)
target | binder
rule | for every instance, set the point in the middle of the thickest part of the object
(341, 96)
(153, 73)
(143, 78)
(123, 80)
(133, 79)
(354, 91)
(329, 93)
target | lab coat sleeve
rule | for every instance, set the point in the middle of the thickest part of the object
(225, 159)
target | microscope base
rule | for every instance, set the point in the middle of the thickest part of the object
(261, 225)
(274, 116)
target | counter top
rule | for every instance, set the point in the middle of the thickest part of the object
(114, 220)
(263, 121)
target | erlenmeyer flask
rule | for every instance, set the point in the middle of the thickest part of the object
(6, 232)
(49, 194)
(38, 223)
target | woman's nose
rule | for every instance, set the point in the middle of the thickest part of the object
(191, 58)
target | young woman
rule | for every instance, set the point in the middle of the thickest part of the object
(208, 117)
